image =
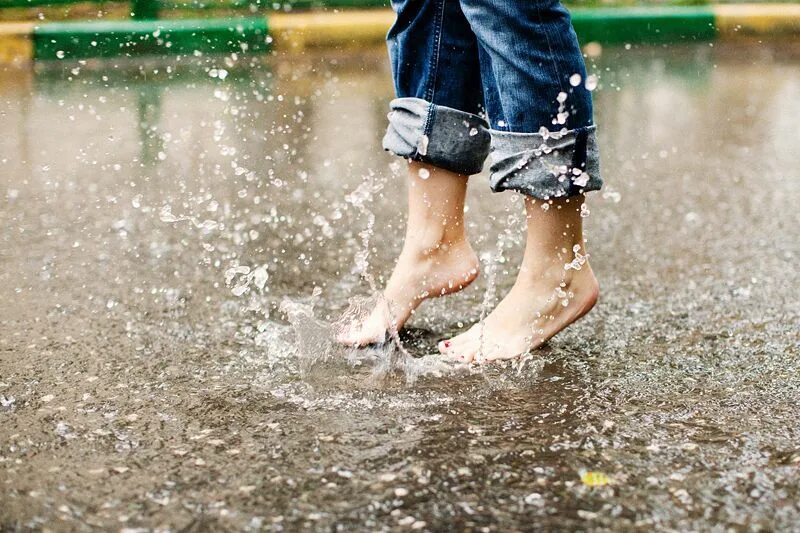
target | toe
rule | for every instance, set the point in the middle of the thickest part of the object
(461, 338)
(360, 336)
(470, 353)
(465, 351)
(498, 353)
(350, 341)
(450, 346)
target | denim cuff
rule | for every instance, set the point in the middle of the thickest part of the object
(546, 165)
(442, 136)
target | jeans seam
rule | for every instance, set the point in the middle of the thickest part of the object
(426, 130)
(488, 58)
(437, 44)
(550, 49)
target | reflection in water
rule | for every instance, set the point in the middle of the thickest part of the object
(178, 242)
(149, 115)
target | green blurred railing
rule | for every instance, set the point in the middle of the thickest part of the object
(151, 27)
(144, 9)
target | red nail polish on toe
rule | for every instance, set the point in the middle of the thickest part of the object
(446, 344)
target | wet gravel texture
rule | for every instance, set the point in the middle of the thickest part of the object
(147, 384)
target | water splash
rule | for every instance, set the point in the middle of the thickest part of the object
(507, 238)
(364, 193)
(313, 337)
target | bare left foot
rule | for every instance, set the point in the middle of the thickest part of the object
(533, 311)
(554, 288)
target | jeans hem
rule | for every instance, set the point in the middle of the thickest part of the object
(439, 135)
(546, 165)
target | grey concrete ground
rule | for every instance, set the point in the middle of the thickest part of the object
(149, 381)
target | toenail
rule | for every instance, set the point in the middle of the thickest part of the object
(446, 344)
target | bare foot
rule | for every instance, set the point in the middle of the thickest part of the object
(436, 257)
(529, 315)
(419, 275)
(554, 288)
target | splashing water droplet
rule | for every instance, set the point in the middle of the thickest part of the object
(260, 277)
(575, 80)
(422, 146)
(165, 214)
(239, 290)
(581, 180)
(424, 173)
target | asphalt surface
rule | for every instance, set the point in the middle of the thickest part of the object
(149, 381)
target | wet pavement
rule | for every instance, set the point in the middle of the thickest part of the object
(176, 240)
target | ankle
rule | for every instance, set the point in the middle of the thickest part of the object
(554, 274)
(432, 240)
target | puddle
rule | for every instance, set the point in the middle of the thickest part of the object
(176, 248)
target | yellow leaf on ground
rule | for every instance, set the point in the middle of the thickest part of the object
(594, 479)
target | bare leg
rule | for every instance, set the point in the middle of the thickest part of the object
(436, 258)
(554, 288)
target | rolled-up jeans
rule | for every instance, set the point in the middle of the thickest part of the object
(499, 77)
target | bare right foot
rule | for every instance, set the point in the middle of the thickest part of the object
(436, 257)
(419, 275)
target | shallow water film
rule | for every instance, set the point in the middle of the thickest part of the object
(176, 241)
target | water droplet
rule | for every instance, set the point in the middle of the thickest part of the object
(581, 180)
(422, 145)
(239, 290)
(165, 214)
(260, 277)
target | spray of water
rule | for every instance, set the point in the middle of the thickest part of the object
(395, 358)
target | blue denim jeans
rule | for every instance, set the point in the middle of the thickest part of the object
(506, 77)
